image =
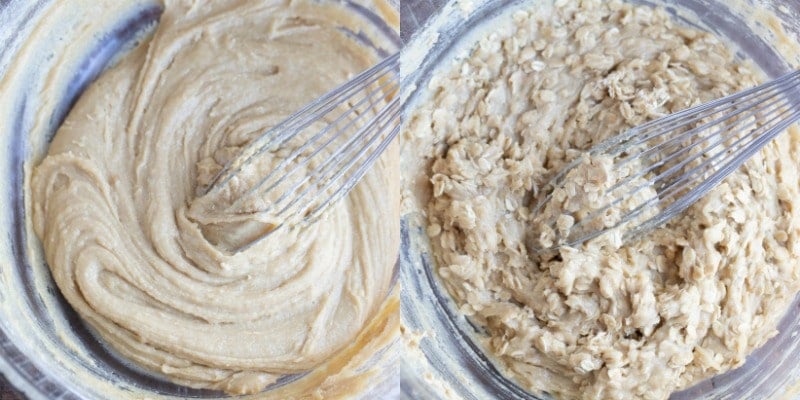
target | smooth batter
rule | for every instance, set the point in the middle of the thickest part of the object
(111, 200)
(601, 321)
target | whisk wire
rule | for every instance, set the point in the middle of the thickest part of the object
(732, 156)
(358, 173)
(330, 172)
(301, 119)
(685, 117)
(697, 131)
(368, 100)
(740, 125)
(684, 201)
(678, 185)
(359, 120)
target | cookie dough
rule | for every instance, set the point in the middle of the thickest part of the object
(658, 314)
(598, 199)
(111, 204)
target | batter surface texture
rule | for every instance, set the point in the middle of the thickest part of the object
(113, 205)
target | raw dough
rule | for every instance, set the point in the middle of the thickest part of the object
(111, 200)
(584, 203)
(689, 301)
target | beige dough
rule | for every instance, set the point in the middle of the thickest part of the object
(111, 200)
(689, 301)
(584, 203)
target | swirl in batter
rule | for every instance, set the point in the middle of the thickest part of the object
(111, 203)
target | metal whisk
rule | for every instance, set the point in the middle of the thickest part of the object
(337, 138)
(671, 162)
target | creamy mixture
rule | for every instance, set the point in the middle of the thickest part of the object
(112, 200)
(601, 321)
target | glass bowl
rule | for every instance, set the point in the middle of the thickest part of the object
(445, 359)
(46, 351)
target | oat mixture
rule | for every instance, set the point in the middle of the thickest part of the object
(690, 300)
(598, 198)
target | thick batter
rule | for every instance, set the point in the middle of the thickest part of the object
(689, 301)
(111, 204)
